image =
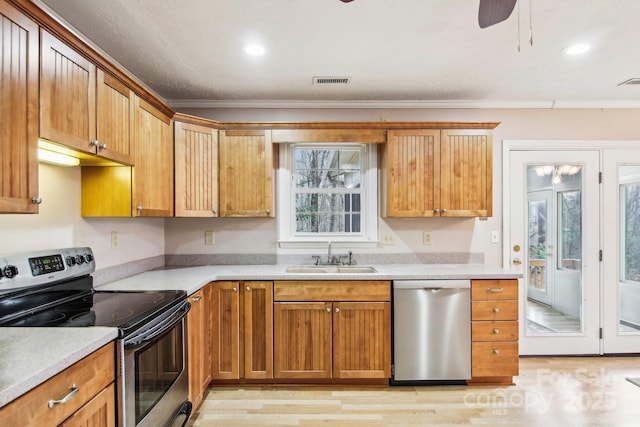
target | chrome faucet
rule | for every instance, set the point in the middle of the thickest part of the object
(330, 259)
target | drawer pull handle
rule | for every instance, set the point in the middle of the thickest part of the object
(495, 290)
(496, 310)
(496, 351)
(68, 397)
(496, 331)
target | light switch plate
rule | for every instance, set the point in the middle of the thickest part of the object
(426, 238)
(209, 238)
(388, 239)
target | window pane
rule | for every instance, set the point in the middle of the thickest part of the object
(327, 213)
(631, 232)
(327, 168)
(571, 230)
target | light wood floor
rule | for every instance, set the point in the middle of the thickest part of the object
(549, 392)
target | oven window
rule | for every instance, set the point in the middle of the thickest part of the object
(157, 366)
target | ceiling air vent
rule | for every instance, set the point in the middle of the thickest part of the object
(633, 81)
(331, 80)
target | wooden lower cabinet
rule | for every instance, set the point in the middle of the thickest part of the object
(494, 331)
(92, 405)
(199, 344)
(332, 339)
(242, 330)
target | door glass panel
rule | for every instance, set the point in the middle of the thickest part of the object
(554, 220)
(629, 286)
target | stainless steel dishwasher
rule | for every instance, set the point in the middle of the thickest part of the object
(431, 331)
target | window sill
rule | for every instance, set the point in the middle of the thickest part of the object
(318, 244)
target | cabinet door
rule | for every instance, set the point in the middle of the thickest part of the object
(466, 173)
(258, 330)
(98, 412)
(246, 174)
(153, 170)
(362, 340)
(225, 327)
(114, 118)
(18, 112)
(67, 95)
(412, 160)
(196, 158)
(199, 344)
(302, 340)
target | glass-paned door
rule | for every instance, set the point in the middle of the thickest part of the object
(554, 198)
(621, 257)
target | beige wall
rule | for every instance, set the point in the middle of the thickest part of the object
(59, 223)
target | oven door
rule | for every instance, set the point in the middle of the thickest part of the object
(155, 384)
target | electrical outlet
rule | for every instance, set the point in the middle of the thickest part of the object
(114, 240)
(388, 239)
(209, 237)
(426, 237)
(495, 236)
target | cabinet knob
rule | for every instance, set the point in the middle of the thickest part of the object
(94, 143)
(248, 289)
(36, 200)
(337, 310)
(496, 310)
(268, 211)
(139, 208)
(102, 146)
(234, 289)
(328, 309)
(496, 351)
(215, 211)
(196, 298)
(444, 210)
(496, 331)
(437, 210)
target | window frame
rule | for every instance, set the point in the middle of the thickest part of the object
(287, 235)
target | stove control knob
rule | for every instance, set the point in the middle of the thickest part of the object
(71, 261)
(79, 259)
(10, 271)
(88, 257)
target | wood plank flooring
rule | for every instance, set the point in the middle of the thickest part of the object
(549, 392)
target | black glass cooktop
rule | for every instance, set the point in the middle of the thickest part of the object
(77, 304)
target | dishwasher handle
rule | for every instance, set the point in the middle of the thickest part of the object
(432, 284)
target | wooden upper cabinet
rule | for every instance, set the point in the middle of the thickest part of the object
(466, 173)
(435, 172)
(67, 95)
(246, 173)
(18, 112)
(413, 168)
(114, 118)
(196, 170)
(153, 170)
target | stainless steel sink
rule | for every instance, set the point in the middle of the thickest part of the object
(331, 269)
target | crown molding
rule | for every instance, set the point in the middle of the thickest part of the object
(443, 104)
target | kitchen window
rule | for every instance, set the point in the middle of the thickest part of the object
(327, 192)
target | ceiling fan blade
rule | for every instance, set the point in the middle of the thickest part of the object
(493, 11)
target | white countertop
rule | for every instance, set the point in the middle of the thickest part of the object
(190, 279)
(30, 356)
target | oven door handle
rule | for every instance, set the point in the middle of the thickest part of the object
(167, 322)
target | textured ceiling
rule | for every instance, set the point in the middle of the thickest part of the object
(393, 50)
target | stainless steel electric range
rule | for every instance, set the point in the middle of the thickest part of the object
(55, 288)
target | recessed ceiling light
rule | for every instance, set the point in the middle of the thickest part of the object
(254, 49)
(577, 49)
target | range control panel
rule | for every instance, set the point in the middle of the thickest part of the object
(29, 269)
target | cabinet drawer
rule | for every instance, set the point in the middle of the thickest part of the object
(494, 290)
(494, 331)
(90, 375)
(494, 310)
(494, 359)
(332, 290)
